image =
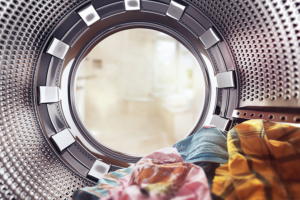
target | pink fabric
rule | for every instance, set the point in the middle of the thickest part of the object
(209, 126)
(163, 175)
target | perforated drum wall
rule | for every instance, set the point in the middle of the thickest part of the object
(263, 37)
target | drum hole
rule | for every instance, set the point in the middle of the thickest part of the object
(283, 118)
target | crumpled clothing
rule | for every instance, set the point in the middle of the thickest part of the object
(209, 144)
(206, 148)
(108, 181)
(264, 162)
(163, 175)
(209, 169)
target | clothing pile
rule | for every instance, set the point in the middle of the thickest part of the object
(255, 160)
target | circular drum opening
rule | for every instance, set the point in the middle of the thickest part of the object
(139, 90)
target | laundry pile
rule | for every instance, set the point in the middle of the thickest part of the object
(255, 160)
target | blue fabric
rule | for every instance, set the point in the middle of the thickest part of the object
(207, 148)
(207, 145)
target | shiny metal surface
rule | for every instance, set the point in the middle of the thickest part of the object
(175, 10)
(209, 38)
(212, 91)
(98, 169)
(220, 122)
(89, 15)
(226, 80)
(48, 94)
(132, 4)
(58, 49)
(272, 116)
(63, 139)
(64, 94)
(86, 137)
(260, 41)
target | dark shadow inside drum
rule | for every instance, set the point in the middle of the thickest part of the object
(139, 90)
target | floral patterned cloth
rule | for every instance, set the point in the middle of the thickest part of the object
(161, 175)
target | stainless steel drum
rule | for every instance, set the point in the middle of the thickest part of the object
(46, 152)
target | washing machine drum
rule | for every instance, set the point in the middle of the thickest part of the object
(248, 52)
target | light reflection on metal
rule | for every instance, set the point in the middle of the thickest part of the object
(89, 15)
(63, 139)
(213, 90)
(226, 80)
(132, 4)
(175, 10)
(64, 97)
(98, 169)
(48, 94)
(220, 122)
(58, 49)
(209, 38)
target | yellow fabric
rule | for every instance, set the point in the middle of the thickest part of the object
(264, 162)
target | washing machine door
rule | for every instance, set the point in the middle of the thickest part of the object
(247, 51)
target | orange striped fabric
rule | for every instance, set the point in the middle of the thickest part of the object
(264, 162)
